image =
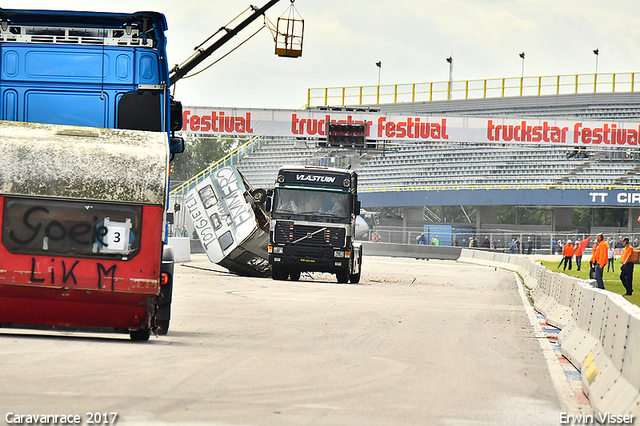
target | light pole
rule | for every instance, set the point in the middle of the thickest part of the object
(450, 60)
(522, 74)
(595, 77)
(379, 65)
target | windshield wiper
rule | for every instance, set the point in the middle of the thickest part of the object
(333, 215)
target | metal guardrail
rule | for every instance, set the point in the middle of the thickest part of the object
(229, 160)
(475, 89)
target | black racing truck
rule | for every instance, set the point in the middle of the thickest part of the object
(313, 214)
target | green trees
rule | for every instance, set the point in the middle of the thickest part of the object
(524, 215)
(201, 151)
(601, 217)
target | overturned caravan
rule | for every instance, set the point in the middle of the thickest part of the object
(230, 222)
(81, 213)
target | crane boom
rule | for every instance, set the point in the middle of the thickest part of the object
(178, 72)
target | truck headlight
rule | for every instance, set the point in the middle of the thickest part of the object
(339, 254)
(278, 250)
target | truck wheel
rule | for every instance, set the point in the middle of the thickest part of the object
(355, 278)
(163, 312)
(163, 327)
(278, 273)
(259, 195)
(343, 277)
(294, 275)
(141, 335)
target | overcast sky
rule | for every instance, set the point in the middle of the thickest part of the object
(345, 38)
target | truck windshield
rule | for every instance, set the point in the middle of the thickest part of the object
(308, 202)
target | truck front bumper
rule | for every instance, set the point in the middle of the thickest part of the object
(326, 260)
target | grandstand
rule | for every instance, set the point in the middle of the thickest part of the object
(454, 164)
(261, 167)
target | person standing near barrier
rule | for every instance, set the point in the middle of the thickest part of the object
(611, 255)
(567, 252)
(592, 260)
(561, 250)
(600, 259)
(577, 252)
(626, 269)
(486, 243)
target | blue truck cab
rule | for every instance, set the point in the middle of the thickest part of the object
(85, 68)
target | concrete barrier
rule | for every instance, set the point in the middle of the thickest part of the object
(600, 331)
(613, 389)
(559, 315)
(631, 357)
(543, 300)
(406, 250)
(181, 248)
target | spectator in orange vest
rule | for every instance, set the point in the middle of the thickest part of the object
(626, 270)
(577, 252)
(567, 252)
(600, 258)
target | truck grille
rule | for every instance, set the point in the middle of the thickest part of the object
(309, 235)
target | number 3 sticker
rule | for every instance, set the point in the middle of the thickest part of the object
(113, 240)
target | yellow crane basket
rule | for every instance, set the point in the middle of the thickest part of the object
(289, 34)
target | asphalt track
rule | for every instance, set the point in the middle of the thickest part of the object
(415, 343)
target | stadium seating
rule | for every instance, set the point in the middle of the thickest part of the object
(451, 164)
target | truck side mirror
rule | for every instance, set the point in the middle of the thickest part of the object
(268, 200)
(176, 115)
(357, 209)
(176, 145)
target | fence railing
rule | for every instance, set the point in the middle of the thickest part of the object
(528, 242)
(362, 189)
(474, 89)
(230, 159)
